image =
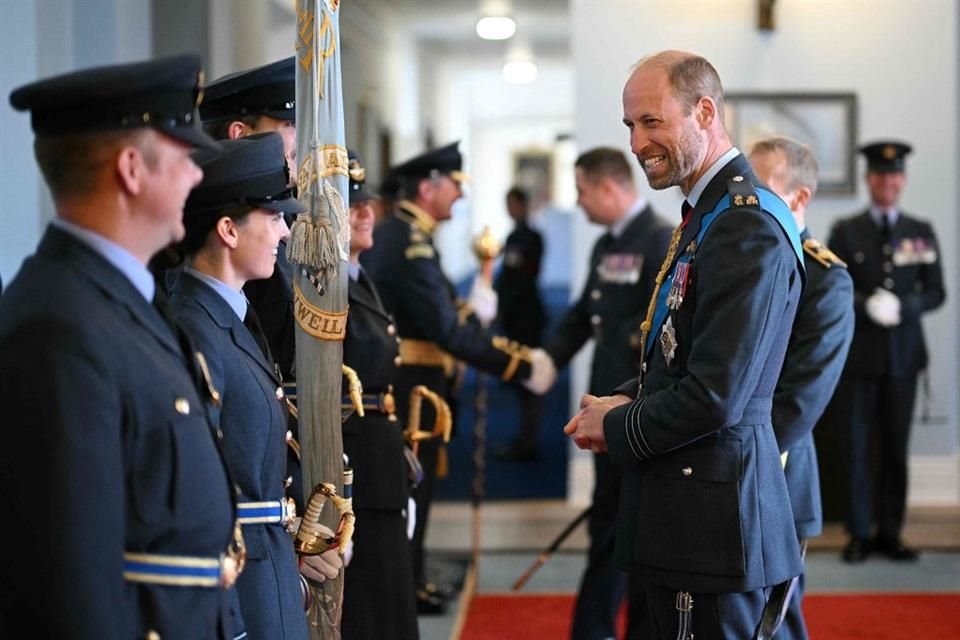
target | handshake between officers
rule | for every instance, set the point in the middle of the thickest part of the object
(435, 328)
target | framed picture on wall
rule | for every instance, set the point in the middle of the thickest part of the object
(533, 172)
(826, 122)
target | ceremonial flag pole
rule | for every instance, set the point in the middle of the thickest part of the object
(319, 249)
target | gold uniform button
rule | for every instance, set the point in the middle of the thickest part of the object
(152, 635)
(595, 294)
(888, 283)
(595, 319)
(398, 361)
(279, 393)
(391, 330)
(687, 471)
(888, 267)
(182, 405)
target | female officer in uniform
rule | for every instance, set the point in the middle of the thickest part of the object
(378, 598)
(234, 223)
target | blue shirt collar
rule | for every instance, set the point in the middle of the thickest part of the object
(236, 299)
(124, 261)
(353, 270)
(876, 214)
(705, 179)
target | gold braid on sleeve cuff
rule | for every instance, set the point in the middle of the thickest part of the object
(518, 353)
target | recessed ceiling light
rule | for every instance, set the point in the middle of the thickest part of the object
(519, 71)
(496, 27)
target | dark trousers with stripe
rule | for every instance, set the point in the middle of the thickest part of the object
(877, 414)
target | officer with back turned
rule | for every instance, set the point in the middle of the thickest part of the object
(817, 350)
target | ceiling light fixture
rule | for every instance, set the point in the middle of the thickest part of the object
(496, 27)
(519, 66)
(496, 21)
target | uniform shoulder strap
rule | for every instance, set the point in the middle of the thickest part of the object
(816, 250)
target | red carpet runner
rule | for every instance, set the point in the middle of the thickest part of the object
(829, 617)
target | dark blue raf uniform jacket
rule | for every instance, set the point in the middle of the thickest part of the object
(373, 443)
(614, 302)
(378, 598)
(272, 299)
(704, 504)
(253, 420)
(520, 312)
(821, 336)
(96, 383)
(909, 266)
(405, 266)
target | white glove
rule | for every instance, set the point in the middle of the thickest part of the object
(411, 517)
(883, 307)
(483, 300)
(348, 554)
(542, 372)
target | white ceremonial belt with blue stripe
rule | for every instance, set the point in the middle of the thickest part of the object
(170, 570)
(270, 512)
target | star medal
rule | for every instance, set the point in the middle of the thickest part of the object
(679, 287)
(668, 341)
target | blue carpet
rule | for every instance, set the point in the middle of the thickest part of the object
(545, 477)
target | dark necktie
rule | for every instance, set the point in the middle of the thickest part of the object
(252, 323)
(885, 226)
(685, 209)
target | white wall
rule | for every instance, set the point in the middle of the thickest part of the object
(493, 119)
(900, 58)
(39, 38)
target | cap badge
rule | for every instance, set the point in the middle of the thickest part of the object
(889, 152)
(357, 173)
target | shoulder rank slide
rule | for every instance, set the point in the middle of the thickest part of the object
(742, 192)
(822, 254)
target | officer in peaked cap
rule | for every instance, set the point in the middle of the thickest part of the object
(444, 160)
(435, 328)
(894, 260)
(97, 379)
(248, 171)
(161, 95)
(244, 103)
(378, 598)
(886, 157)
(234, 222)
(254, 101)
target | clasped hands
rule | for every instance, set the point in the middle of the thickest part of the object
(586, 427)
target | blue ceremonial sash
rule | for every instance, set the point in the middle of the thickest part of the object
(771, 204)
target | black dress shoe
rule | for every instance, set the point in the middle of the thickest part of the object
(856, 550)
(443, 590)
(430, 605)
(894, 549)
